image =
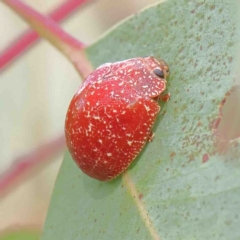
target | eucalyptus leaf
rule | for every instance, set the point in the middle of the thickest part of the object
(20, 234)
(180, 186)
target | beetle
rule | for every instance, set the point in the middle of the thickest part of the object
(109, 119)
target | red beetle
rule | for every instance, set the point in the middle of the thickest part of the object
(110, 118)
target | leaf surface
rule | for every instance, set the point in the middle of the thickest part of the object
(21, 234)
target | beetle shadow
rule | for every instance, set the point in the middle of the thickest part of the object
(160, 116)
(98, 189)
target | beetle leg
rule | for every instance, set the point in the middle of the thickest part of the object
(165, 97)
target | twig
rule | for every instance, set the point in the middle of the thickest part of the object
(48, 29)
(27, 39)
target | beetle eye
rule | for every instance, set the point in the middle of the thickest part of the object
(158, 73)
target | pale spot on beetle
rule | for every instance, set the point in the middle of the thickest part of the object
(129, 143)
(109, 154)
(112, 94)
(96, 117)
(147, 108)
(90, 127)
(88, 114)
(100, 140)
(121, 84)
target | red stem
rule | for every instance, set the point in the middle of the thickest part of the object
(30, 37)
(36, 158)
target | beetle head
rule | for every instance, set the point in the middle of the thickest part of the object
(157, 66)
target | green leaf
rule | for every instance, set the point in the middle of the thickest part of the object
(21, 234)
(180, 186)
